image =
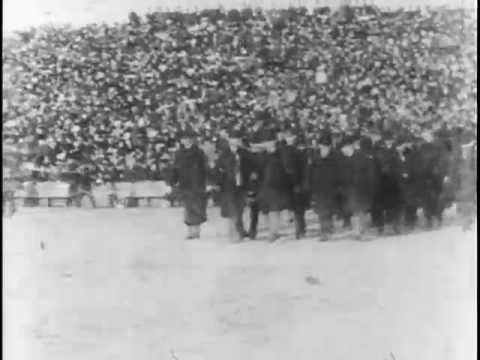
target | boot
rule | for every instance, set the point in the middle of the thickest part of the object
(347, 222)
(233, 234)
(196, 232)
(254, 210)
(326, 227)
(324, 236)
(357, 227)
(190, 233)
(300, 226)
(240, 228)
(193, 232)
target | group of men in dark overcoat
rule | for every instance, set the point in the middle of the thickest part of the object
(364, 179)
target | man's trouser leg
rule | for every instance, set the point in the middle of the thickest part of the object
(235, 232)
(190, 232)
(236, 229)
(274, 218)
(410, 216)
(429, 211)
(254, 212)
(360, 221)
(393, 217)
(378, 217)
(326, 226)
(466, 210)
(88, 194)
(78, 199)
(239, 223)
(300, 225)
(91, 198)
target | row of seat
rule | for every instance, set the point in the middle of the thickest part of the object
(55, 192)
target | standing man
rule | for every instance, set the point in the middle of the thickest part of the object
(324, 178)
(274, 194)
(361, 183)
(257, 158)
(190, 176)
(410, 182)
(434, 169)
(467, 189)
(234, 169)
(390, 195)
(295, 162)
(339, 144)
(84, 178)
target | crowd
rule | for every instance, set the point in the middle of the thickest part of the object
(116, 97)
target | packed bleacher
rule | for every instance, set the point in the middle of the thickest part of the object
(114, 97)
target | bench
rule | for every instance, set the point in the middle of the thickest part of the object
(104, 195)
(151, 190)
(126, 193)
(52, 191)
(131, 194)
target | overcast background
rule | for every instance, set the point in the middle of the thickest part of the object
(21, 14)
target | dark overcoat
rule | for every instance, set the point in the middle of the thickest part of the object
(189, 174)
(389, 189)
(410, 177)
(324, 178)
(360, 179)
(233, 191)
(466, 191)
(274, 185)
(296, 166)
(434, 167)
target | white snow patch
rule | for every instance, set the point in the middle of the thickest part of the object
(123, 284)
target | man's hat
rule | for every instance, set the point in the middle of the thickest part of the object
(188, 133)
(301, 140)
(349, 140)
(165, 157)
(262, 146)
(236, 137)
(387, 135)
(325, 138)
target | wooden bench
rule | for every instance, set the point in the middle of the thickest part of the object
(131, 194)
(104, 195)
(33, 194)
(126, 193)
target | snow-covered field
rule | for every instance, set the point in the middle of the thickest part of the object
(123, 285)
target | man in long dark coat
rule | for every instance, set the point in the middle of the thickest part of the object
(389, 195)
(190, 176)
(341, 208)
(434, 169)
(324, 176)
(410, 182)
(466, 191)
(233, 172)
(360, 181)
(253, 188)
(295, 161)
(274, 194)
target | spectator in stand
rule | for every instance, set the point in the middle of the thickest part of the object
(104, 93)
